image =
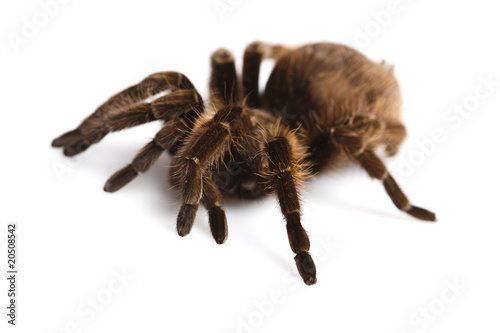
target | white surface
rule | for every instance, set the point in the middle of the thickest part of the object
(376, 266)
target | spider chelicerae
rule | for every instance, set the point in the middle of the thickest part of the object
(323, 104)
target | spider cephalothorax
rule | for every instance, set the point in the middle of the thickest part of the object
(323, 104)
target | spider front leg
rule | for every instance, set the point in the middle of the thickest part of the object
(205, 145)
(170, 138)
(285, 170)
(212, 200)
(129, 108)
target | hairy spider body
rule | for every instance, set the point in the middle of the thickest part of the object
(323, 104)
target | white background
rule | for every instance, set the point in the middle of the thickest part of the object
(377, 267)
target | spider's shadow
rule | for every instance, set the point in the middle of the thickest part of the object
(340, 178)
(151, 188)
(245, 207)
(158, 196)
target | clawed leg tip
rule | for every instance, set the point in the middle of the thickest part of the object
(306, 267)
(220, 241)
(109, 188)
(113, 186)
(56, 143)
(73, 150)
(185, 219)
(69, 152)
(183, 230)
(422, 214)
(430, 218)
(310, 281)
(218, 224)
(67, 138)
(120, 178)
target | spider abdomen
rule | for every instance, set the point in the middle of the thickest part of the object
(333, 81)
(321, 87)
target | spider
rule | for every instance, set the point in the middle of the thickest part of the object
(323, 104)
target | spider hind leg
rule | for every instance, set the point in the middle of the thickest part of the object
(356, 147)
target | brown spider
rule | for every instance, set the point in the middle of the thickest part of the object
(323, 105)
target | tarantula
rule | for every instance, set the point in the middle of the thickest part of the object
(323, 104)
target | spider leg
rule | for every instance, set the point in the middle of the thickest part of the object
(255, 53)
(285, 170)
(212, 199)
(130, 108)
(356, 147)
(223, 80)
(170, 137)
(205, 145)
(376, 169)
